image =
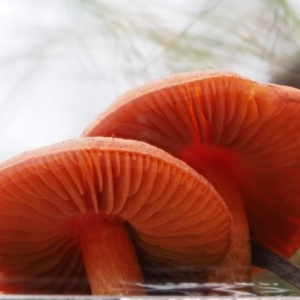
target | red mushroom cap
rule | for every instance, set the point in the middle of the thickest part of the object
(51, 198)
(217, 120)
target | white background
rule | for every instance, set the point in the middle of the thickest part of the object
(63, 61)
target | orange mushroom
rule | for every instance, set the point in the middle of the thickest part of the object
(242, 136)
(64, 211)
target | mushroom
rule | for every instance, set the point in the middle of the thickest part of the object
(65, 210)
(237, 133)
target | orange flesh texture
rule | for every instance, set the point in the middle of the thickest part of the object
(119, 275)
(53, 199)
(250, 130)
(235, 267)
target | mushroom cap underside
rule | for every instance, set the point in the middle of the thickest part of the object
(217, 119)
(45, 192)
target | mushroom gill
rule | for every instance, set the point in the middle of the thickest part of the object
(242, 136)
(65, 211)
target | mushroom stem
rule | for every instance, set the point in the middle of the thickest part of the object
(218, 167)
(235, 267)
(109, 257)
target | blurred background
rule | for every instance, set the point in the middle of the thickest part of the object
(62, 62)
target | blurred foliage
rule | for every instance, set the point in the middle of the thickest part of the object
(262, 36)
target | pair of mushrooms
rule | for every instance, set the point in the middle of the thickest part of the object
(177, 176)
